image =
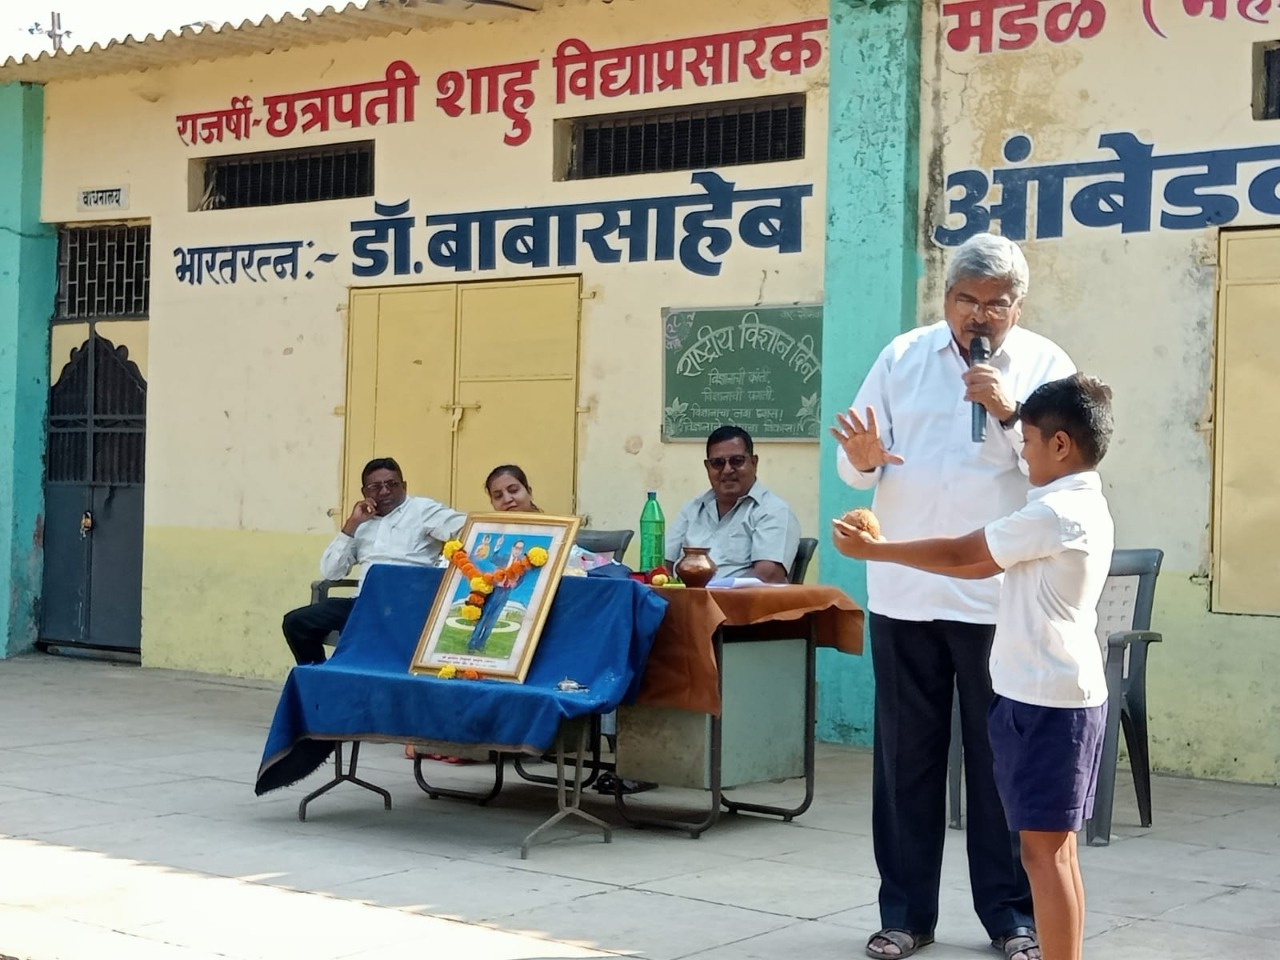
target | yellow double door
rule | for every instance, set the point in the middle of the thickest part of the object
(454, 379)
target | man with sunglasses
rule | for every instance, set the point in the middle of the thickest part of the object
(386, 526)
(909, 436)
(751, 532)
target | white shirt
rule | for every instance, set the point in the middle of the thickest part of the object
(410, 535)
(760, 526)
(949, 485)
(1056, 552)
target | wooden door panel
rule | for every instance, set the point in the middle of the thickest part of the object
(400, 385)
(519, 331)
(530, 423)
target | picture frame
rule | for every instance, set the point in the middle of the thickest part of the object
(500, 643)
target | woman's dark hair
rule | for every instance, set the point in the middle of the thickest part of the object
(512, 470)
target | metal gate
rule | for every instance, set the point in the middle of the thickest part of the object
(93, 500)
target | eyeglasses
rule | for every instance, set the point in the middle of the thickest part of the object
(995, 309)
(737, 461)
(387, 485)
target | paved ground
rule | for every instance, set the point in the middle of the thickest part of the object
(129, 828)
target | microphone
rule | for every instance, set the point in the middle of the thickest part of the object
(979, 352)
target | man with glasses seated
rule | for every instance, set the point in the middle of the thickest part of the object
(751, 532)
(387, 526)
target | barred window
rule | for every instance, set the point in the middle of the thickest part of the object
(270, 178)
(104, 272)
(1266, 80)
(731, 133)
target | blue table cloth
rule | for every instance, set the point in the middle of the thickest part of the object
(598, 632)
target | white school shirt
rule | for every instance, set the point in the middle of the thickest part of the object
(1056, 552)
(410, 535)
(949, 485)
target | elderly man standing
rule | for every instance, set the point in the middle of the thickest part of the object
(751, 531)
(909, 435)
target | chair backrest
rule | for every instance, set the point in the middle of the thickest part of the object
(804, 553)
(606, 541)
(1130, 592)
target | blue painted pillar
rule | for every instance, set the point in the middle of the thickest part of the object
(871, 274)
(28, 272)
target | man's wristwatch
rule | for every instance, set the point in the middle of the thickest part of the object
(1013, 418)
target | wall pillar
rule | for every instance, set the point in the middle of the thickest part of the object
(28, 274)
(871, 275)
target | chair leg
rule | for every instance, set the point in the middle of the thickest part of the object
(955, 762)
(1134, 720)
(1098, 829)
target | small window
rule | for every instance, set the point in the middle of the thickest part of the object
(687, 138)
(104, 272)
(267, 179)
(1266, 80)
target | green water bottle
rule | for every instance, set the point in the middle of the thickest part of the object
(653, 534)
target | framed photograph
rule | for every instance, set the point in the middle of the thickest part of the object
(494, 630)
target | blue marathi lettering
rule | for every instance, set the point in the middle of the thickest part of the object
(256, 262)
(1197, 189)
(697, 228)
(393, 227)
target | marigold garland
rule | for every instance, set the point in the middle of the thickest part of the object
(481, 583)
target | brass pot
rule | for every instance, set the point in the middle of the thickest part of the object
(696, 568)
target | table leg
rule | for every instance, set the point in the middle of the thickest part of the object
(570, 806)
(595, 765)
(697, 828)
(341, 776)
(810, 750)
(480, 797)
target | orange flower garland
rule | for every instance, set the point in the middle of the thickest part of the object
(481, 583)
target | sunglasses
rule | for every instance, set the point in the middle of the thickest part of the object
(737, 461)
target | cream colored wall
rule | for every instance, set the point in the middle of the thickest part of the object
(246, 381)
(1137, 310)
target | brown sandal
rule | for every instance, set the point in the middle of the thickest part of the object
(1019, 940)
(906, 942)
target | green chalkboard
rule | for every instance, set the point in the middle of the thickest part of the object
(759, 368)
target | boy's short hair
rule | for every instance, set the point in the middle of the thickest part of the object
(1080, 407)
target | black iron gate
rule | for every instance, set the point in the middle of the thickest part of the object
(93, 500)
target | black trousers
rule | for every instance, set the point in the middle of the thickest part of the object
(917, 666)
(306, 627)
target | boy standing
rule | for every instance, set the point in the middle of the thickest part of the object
(1047, 719)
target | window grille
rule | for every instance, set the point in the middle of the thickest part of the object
(688, 138)
(104, 272)
(98, 418)
(336, 172)
(1266, 104)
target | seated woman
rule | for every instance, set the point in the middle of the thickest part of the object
(509, 490)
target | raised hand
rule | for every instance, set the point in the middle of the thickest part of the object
(362, 511)
(861, 441)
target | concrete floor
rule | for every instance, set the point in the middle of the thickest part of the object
(129, 828)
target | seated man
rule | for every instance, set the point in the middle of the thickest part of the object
(751, 532)
(387, 526)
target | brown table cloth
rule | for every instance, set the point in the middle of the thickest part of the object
(681, 671)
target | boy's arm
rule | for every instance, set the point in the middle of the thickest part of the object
(965, 558)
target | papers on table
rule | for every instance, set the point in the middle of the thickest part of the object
(734, 583)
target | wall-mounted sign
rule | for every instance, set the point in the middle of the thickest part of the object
(758, 368)
(103, 198)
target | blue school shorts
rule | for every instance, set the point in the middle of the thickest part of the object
(1046, 762)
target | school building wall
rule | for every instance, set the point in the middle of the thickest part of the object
(1120, 144)
(247, 380)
